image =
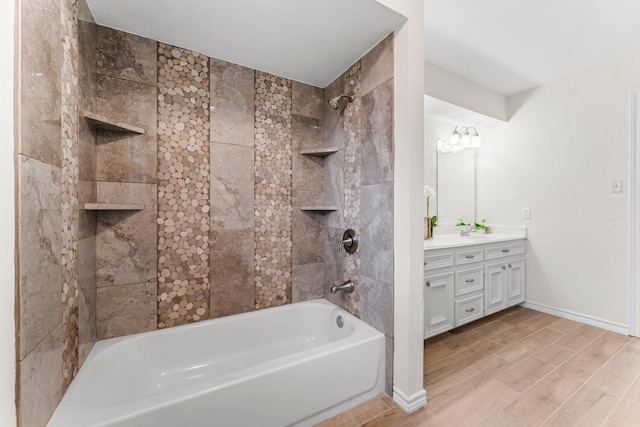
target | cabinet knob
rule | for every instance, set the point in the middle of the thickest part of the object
(469, 310)
(470, 280)
(504, 268)
(509, 265)
(469, 256)
(505, 251)
(429, 284)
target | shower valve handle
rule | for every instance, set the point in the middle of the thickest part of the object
(349, 242)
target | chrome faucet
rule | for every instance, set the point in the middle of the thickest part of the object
(467, 231)
(347, 287)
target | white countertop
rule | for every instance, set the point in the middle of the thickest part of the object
(455, 240)
(449, 237)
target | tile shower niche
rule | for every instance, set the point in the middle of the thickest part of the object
(103, 123)
(319, 153)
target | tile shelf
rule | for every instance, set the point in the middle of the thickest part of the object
(319, 209)
(101, 122)
(319, 152)
(113, 207)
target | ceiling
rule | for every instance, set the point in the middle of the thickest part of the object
(510, 46)
(456, 115)
(308, 41)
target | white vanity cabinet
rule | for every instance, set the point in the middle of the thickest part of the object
(466, 283)
(438, 303)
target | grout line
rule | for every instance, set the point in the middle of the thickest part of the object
(581, 348)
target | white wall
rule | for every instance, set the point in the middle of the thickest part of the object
(7, 218)
(564, 144)
(444, 85)
(408, 200)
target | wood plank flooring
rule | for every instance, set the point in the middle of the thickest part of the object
(519, 368)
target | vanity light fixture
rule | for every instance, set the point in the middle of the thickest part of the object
(466, 137)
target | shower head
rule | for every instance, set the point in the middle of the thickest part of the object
(333, 102)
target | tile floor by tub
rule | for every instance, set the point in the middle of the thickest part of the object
(519, 368)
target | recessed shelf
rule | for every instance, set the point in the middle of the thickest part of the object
(113, 207)
(319, 152)
(102, 122)
(319, 209)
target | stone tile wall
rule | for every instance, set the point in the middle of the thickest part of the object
(125, 172)
(261, 250)
(54, 288)
(86, 184)
(126, 258)
(232, 236)
(359, 180)
(307, 190)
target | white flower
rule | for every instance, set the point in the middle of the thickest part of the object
(429, 192)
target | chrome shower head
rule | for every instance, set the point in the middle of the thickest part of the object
(334, 102)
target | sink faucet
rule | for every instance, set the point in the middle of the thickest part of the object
(466, 232)
(345, 287)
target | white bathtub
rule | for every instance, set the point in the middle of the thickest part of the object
(284, 366)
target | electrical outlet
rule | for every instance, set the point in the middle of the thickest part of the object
(526, 213)
(616, 186)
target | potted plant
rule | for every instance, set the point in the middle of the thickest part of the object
(481, 227)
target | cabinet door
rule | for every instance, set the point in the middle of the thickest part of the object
(516, 282)
(438, 304)
(494, 287)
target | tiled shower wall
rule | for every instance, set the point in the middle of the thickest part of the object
(261, 249)
(359, 180)
(126, 172)
(224, 221)
(56, 279)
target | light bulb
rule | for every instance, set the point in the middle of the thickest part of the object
(476, 142)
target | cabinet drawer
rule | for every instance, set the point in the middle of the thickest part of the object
(505, 250)
(439, 260)
(468, 309)
(469, 256)
(468, 281)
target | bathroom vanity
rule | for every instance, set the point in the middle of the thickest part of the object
(469, 277)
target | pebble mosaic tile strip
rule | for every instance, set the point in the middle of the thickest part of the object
(183, 186)
(352, 179)
(69, 189)
(273, 177)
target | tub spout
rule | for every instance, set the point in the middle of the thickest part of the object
(345, 287)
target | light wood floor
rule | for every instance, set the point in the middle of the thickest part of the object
(519, 368)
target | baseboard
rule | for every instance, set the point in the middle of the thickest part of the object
(589, 320)
(410, 403)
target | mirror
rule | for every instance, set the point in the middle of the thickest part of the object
(453, 175)
(456, 187)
